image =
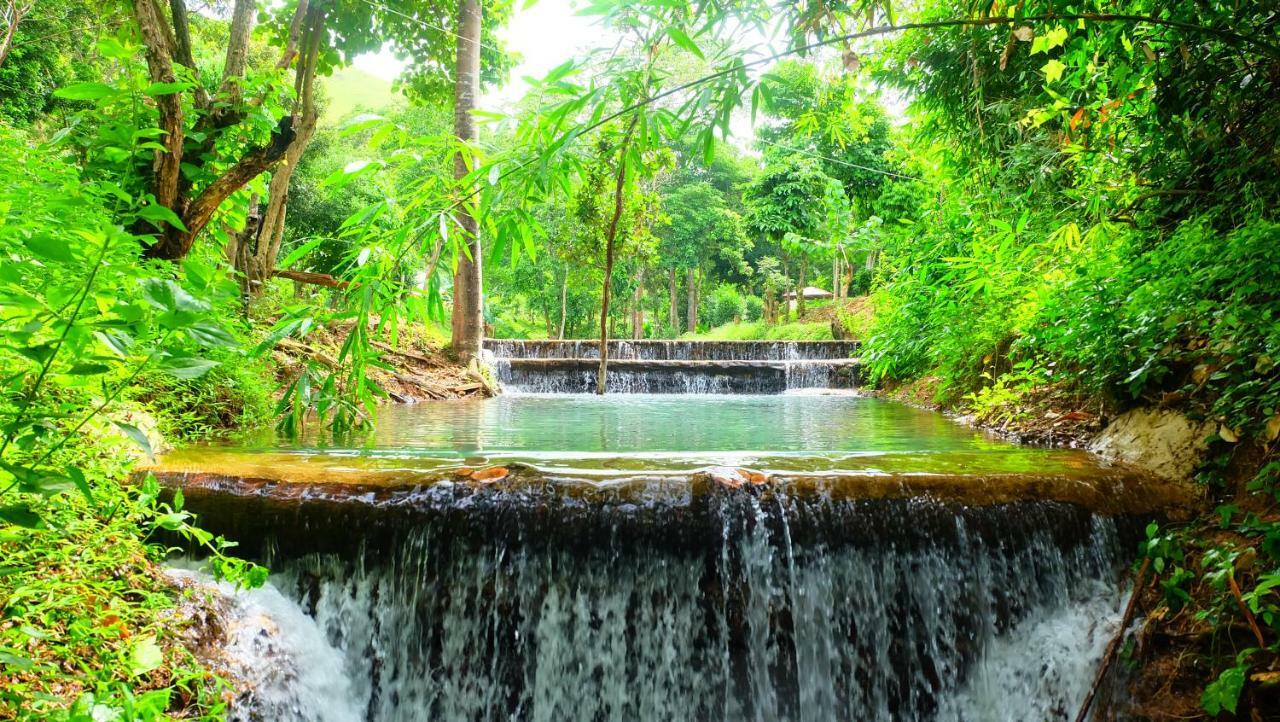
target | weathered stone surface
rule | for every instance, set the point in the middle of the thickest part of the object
(490, 475)
(1165, 443)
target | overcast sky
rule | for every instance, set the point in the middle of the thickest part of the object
(544, 36)
(549, 33)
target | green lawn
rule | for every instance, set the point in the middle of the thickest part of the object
(761, 331)
(349, 90)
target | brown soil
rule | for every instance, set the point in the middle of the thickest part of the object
(849, 318)
(415, 368)
(1049, 416)
(1176, 653)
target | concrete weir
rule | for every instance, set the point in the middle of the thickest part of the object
(658, 366)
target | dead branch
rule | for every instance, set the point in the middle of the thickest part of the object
(315, 279)
(434, 363)
(1113, 647)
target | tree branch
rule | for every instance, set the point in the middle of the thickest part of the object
(315, 279)
(295, 30)
(182, 48)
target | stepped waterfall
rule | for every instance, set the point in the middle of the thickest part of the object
(748, 555)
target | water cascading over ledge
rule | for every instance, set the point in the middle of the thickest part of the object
(691, 367)
(522, 601)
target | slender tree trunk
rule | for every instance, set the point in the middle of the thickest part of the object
(673, 307)
(564, 304)
(258, 264)
(691, 299)
(13, 12)
(468, 297)
(637, 307)
(602, 374)
(835, 277)
(804, 263)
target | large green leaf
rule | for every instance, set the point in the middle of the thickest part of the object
(84, 91)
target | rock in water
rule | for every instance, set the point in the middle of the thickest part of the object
(278, 661)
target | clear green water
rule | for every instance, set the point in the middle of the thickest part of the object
(592, 436)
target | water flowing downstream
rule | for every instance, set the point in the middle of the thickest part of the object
(872, 562)
(763, 608)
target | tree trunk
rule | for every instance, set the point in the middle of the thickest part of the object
(257, 264)
(13, 13)
(564, 304)
(637, 307)
(468, 299)
(691, 299)
(673, 308)
(804, 264)
(166, 166)
(835, 276)
(602, 374)
(162, 45)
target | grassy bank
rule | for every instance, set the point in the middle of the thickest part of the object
(762, 331)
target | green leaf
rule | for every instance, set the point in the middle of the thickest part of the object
(187, 367)
(296, 254)
(679, 37)
(21, 515)
(1053, 70)
(49, 248)
(77, 478)
(361, 122)
(144, 656)
(138, 436)
(9, 658)
(1223, 694)
(88, 369)
(40, 353)
(156, 89)
(211, 335)
(159, 214)
(84, 91)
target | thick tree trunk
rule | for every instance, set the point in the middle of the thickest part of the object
(468, 297)
(233, 68)
(167, 165)
(673, 307)
(691, 299)
(564, 304)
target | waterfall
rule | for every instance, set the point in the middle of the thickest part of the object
(285, 668)
(682, 367)
(728, 606)
(672, 350)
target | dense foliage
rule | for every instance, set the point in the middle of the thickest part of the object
(1042, 198)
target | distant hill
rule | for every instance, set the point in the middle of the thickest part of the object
(351, 89)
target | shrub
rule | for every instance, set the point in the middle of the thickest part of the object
(723, 305)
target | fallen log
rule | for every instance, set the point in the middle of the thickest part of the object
(315, 279)
(432, 389)
(298, 347)
(434, 363)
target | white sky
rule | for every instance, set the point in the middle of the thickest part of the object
(544, 35)
(549, 33)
